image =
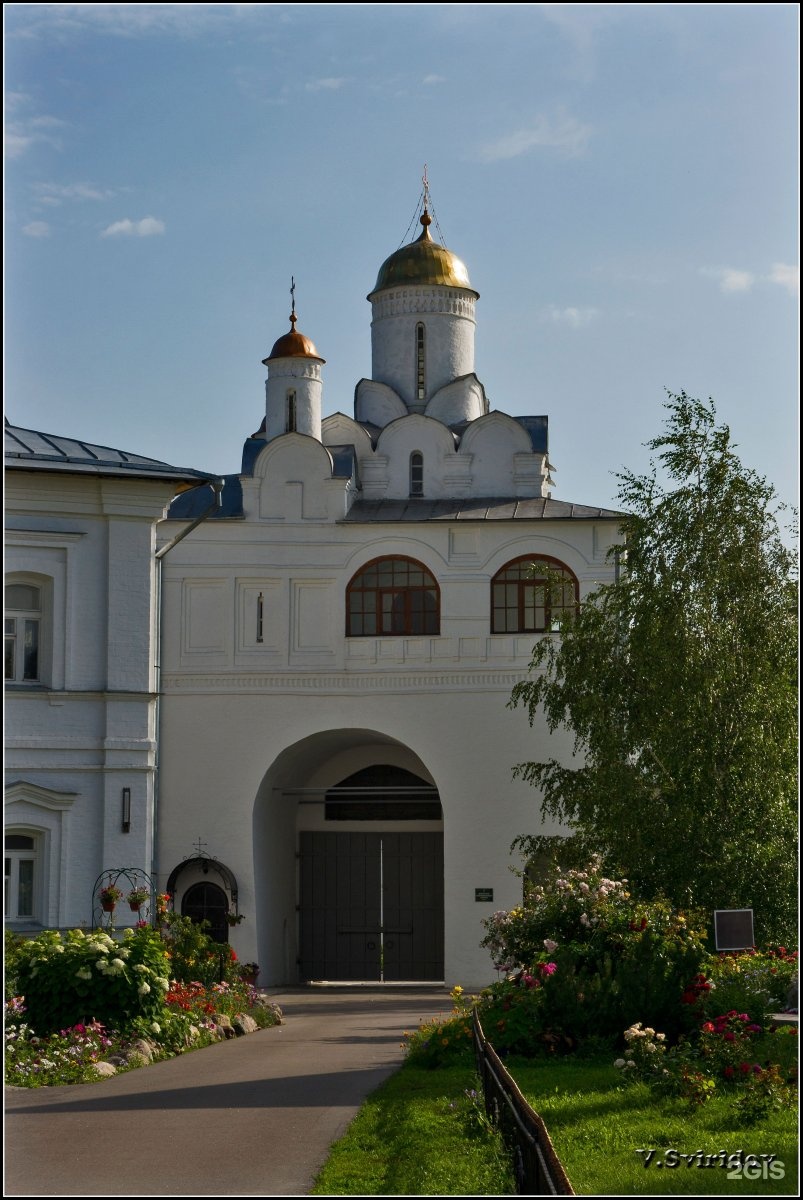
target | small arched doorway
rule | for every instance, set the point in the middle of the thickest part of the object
(207, 902)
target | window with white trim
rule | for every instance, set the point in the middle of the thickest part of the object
(20, 879)
(23, 622)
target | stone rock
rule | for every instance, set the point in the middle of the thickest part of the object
(105, 1069)
(144, 1048)
(244, 1024)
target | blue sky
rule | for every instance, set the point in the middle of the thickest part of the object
(621, 182)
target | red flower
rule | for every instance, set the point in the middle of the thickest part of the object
(729, 1037)
(708, 1027)
(744, 1068)
(728, 1072)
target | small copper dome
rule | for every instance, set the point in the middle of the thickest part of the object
(293, 345)
(423, 261)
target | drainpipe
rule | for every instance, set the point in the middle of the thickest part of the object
(217, 486)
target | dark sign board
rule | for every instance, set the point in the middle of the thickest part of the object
(483, 893)
(733, 928)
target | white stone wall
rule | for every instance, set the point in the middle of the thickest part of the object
(87, 730)
(448, 317)
(302, 376)
(248, 725)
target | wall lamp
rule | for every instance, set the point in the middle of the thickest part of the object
(126, 810)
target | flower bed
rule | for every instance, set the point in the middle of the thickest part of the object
(81, 1005)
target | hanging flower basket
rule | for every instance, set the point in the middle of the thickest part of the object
(136, 898)
(234, 918)
(109, 897)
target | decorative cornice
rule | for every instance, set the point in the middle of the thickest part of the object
(339, 683)
(403, 300)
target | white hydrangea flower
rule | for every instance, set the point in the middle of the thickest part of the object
(143, 989)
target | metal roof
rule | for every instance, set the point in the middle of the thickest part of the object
(29, 450)
(476, 509)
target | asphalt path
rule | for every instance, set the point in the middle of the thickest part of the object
(253, 1116)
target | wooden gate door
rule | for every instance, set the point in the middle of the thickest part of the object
(371, 906)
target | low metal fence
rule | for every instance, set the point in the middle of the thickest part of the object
(537, 1168)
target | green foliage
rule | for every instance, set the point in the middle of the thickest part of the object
(443, 1041)
(13, 949)
(764, 1093)
(679, 683)
(78, 977)
(594, 960)
(194, 956)
(750, 981)
(60, 1058)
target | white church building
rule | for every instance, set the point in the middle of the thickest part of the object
(294, 680)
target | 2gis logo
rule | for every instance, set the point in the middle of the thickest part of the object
(756, 1166)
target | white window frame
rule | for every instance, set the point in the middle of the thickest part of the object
(14, 858)
(17, 625)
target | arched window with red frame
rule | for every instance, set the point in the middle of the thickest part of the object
(392, 596)
(531, 593)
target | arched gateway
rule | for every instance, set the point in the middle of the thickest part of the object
(360, 819)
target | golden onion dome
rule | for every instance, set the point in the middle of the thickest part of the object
(423, 261)
(293, 345)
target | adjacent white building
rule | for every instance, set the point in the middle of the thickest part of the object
(339, 640)
(81, 583)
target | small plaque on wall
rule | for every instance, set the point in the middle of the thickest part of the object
(483, 894)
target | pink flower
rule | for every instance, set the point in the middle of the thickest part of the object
(708, 1027)
(549, 945)
(548, 968)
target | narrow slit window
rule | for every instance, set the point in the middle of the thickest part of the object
(260, 615)
(420, 362)
(416, 473)
(291, 412)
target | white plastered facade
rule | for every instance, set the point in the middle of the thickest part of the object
(269, 700)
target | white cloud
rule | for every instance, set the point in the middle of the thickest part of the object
(128, 20)
(731, 279)
(563, 133)
(147, 227)
(37, 229)
(54, 193)
(786, 276)
(16, 143)
(325, 85)
(24, 132)
(429, 79)
(572, 316)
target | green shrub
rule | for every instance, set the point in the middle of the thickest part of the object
(194, 955)
(82, 977)
(609, 960)
(752, 981)
(14, 944)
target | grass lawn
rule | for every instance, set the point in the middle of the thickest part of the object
(419, 1134)
(597, 1125)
